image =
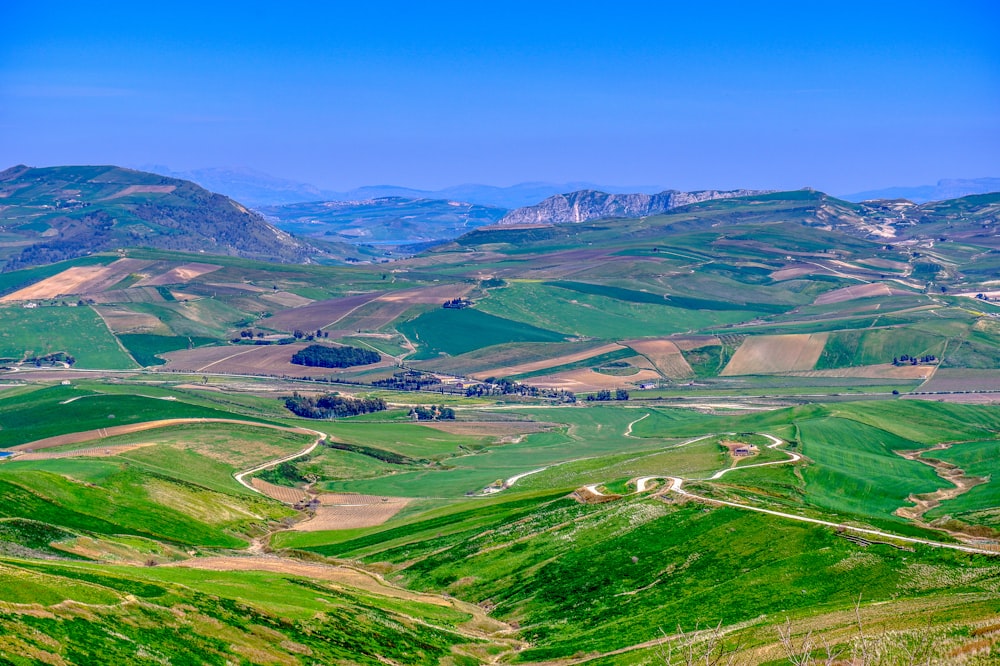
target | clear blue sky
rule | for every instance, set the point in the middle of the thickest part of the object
(842, 97)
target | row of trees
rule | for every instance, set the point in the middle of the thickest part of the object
(433, 413)
(604, 395)
(322, 356)
(331, 405)
(906, 359)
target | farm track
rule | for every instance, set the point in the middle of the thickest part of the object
(676, 486)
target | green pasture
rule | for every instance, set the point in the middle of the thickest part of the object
(59, 410)
(580, 314)
(184, 616)
(146, 348)
(454, 332)
(981, 504)
(77, 331)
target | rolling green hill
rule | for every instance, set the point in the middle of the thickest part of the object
(57, 213)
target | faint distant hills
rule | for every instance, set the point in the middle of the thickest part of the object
(258, 189)
(585, 205)
(950, 188)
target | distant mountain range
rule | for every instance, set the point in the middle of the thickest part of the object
(384, 221)
(57, 213)
(585, 205)
(258, 189)
(945, 189)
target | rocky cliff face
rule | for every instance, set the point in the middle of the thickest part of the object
(592, 205)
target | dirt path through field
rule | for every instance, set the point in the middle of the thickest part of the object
(924, 502)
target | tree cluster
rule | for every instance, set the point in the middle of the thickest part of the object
(604, 395)
(906, 359)
(331, 405)
(322, 356)
(433, 413)
(457, 304)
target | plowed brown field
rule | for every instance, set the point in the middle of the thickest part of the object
(587, 380)
(770, 354)
(665, 355)
(78, 280)
(857, 291)
(178, 275)
(341, 511)
(280, 493)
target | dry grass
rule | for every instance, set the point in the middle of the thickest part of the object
(142, 189)
(856, 291)
(343, 511)
(879, 371)
(92, 452)
(770, 354)
(78, 280)
(121, 320)
(280, 493)
(586, 380)
(178, 275)
(286, 299)
(664, 355)
(688, 342)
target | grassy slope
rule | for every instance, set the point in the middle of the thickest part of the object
(78, 331)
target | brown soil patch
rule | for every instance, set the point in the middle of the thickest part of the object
(100, 433)
(880, 371)
(689, 342)
(317, 315)
(548, 363)
(78, 280)
(286, 299)
(345, 511)
(92, 452)
(769, 354)
(856, 291)
(121, 320)
(665, 355)
(953, 474)
(272, 360)
(142, 189)
(281, 493)
(178, 275)
(585, 380)
(436, 295)
(587, 496)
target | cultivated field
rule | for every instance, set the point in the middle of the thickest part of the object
(122, 320)
(178, 275)
(586, 380)
(688, 342)
(347, 511)
(285, 299)
(91, 452)
(857, 291)
(665, 355)
(78, 280)
(961, 379)
(317, 315)
(284, 494)
(553, 362)
(499, 429)
(250, 360)
(879, 371)
(769, 354)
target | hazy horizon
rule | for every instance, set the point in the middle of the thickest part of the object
(842, 98)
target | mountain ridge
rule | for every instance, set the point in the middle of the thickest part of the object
(53, 213)
(586, 205)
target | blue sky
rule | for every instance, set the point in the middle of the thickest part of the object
(838, 96)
